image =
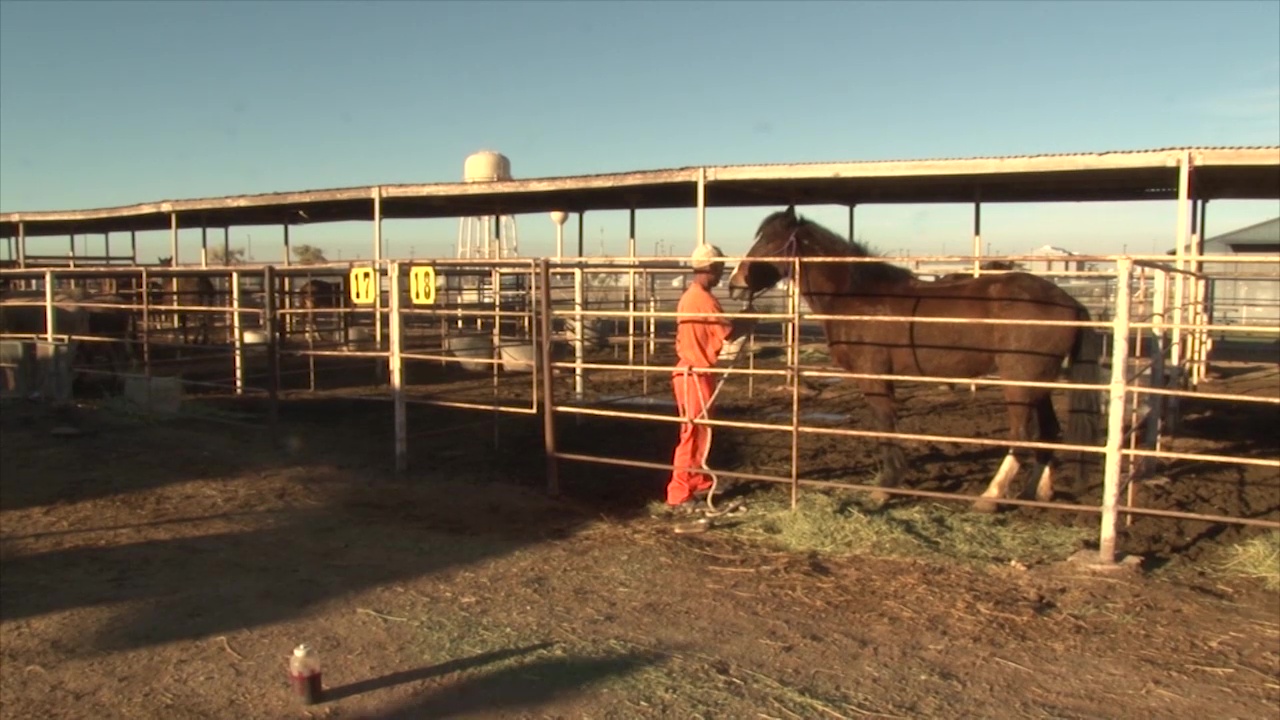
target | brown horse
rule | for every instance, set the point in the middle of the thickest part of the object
(316, 295)
(192, 291)
(1028, 353)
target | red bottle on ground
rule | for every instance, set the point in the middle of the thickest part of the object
(304, 674)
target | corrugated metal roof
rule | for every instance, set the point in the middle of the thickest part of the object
(978, 158)
(1223, 172)
(1263, 233)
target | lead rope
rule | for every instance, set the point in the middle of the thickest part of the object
(705, 415)
(790, 249)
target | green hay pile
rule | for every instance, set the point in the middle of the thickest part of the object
(843, 525)
(1258, 558)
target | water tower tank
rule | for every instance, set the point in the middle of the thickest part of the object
(486, 166)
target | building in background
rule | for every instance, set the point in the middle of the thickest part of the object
(1049, 259)
(1245, 293)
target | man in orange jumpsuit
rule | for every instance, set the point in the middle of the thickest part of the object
(701, 331)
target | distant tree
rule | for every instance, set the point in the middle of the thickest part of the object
(308, 255)
(219, 256)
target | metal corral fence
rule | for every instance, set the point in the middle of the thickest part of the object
(137, 326)
(509, 328)
(1158, 344)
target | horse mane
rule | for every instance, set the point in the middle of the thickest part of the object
(829, 243)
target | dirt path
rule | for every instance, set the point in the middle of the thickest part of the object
(166, 572)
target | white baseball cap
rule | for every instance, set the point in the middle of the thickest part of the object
(704, 256)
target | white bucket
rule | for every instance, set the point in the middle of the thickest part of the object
(517, 357)
(470, 346)
(161, 396)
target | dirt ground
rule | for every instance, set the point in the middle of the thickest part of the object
(165, 570)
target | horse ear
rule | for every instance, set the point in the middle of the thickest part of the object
(791, 211)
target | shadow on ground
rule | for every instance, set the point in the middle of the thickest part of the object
(521, 688)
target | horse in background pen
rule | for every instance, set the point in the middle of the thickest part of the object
(318, 295)
(1015, 352)
(197, 291)
(103, 337)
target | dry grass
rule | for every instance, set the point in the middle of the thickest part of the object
(841, 525)
(1258, 558)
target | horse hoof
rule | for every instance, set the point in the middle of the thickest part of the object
(879, 498)
(984, 506)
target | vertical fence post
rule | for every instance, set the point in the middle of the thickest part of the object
(631, 293)
(548, 385)
(49, 307)
(144, 293)
(579, 341)
(270, 329)
(397, 371)
(793, 296)
(1115, 413)
(237, 331)
(535, 331)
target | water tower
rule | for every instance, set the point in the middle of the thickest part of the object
(491, 236)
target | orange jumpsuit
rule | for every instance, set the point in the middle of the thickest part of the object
(698, 343)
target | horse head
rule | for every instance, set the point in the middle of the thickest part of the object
(775, 238)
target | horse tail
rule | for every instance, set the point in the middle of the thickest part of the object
(1084, 405)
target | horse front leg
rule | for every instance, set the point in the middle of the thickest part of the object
(893, 461)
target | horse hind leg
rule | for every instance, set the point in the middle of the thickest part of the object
(1040, 483)
(1020, 409)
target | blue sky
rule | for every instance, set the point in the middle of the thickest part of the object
(112, 103)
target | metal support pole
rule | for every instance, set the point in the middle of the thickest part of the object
(49, 307)
(702, 206)
(22, 245)
(1184, 232)
(1193, 290)
(977, 238)
(631, 290)
(237, 330)
(581, 221)
(377, 261)
(145, 293)
(176, 319)
(1203, 341)
(977, 262)
(851, 209)
(579, 340)
(204, 246)
(226, 245)
(548, 385)
(1115, 413)
(173, 241)
(133, 245)
(793, 353)
(397, 372)
(270, 329)
(291, 320)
